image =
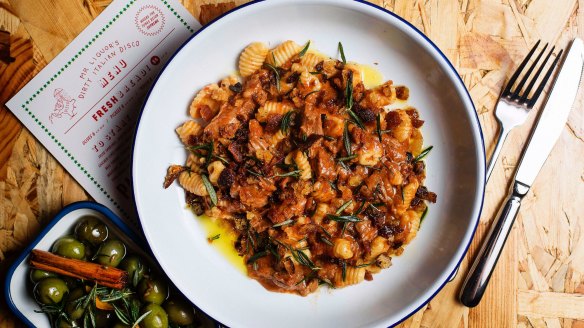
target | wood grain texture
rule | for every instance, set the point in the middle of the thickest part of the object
(539, 281)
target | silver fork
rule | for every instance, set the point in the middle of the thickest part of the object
(514, 106)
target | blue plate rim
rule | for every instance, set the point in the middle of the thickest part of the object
(431, 43)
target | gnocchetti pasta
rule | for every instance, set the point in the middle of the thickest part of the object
(322, 183)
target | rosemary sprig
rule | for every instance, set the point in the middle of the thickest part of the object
(356, 119)
(257, 256)
(349, 91)
(346, 140)
(295, 173)
(342, 52)
(285, 123)
(287, 222)
(343, 218)
(115, 295)
(303, 51)
(217, 236)
(326, 241)
(276, 73)
(122, 316)
(424, 215)
(259, 175)
(210, 189)
(378, 126)
(347, 158)
(423, 154)
(343, 207)
(364, 265)
(303, 259)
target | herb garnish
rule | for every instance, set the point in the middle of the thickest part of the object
(210, 239)
(259, 175)
(295, 173)
(360, 209)
(343, 218)
(276, 73)
(346, 140)
(344, 272)
(303, 51)
(285, 123)
(356, 119)
(364, 265)
(344, 206)
(347, 158)
(257, 256)
(349, 91)
(326, 241)
(422, 154)
(378, 126)
(287, 222)
(311, 92)
(210, 189)
(424, 215)
(342, 52)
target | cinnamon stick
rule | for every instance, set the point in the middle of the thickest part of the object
(101, 274)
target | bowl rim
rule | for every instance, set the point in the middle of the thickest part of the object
(106, 212)
(481, 183)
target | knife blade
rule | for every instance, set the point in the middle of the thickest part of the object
(548, 128)
(554, 115)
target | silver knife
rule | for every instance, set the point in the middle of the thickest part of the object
(550, 124)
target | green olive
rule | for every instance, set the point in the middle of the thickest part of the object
(92, 231)
(157, 317)
(179, 312)
(50, 290)
(37, 275)
(70, 247)
(153, 290)
(110, 253)
(71, 309)
(135, 267)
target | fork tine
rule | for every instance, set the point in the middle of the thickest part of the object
(539, 90)
(515, 75)
(515, 94)
(534, 79)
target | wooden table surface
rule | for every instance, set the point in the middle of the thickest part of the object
(539, 280)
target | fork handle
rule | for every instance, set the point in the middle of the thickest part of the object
(504, 131)
(480, 273)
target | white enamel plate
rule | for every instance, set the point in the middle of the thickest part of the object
(370, 36)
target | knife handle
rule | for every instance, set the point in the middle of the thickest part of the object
(478, 277)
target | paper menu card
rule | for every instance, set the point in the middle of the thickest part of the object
(83, 107)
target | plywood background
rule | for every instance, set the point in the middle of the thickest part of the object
(539, 281)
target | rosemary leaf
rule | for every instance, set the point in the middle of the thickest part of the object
(349, 91)
(141, 318)
(259, 175)
(422, 154)
(295, 173)
(257, 256)
(287, 222)
(342, 52)
(346, 140)
(324, 281)
(326, 241)
(344, 272)
(347, 158)
(311, 92)
(343, 218)
(344, 206)
(303, 51)
(326, 232)
(356, 119)
(123, 317)
(378, 126)
(217, 236)
(210, 189)
(303, 259)
(424, 215)
(364, 265)
(276, 73)
(360, 209)
(285, 123)
(329, 138)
